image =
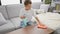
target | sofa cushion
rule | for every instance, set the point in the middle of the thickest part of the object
(13, 10)
(36, 5)
(2, 20)
(45, 7)
(3, 11)
(51, 20)
(16, 21)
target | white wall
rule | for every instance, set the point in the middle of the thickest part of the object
(7, 2)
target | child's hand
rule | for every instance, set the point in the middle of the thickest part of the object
(42, 26)
(22, 17)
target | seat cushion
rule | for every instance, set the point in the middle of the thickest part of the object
(51, 20)
(16, 21)
(45, 7)
(13, 10)
(7, 27)
(3, 11)
(36, 5)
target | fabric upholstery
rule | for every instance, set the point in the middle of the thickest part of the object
(13, 10)
(7, 27)
(51, 20)
(3, 11)
(45, 7)
(16, 21)
(2, 20)
(36, 5)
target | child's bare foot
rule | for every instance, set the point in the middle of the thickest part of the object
(42, 26)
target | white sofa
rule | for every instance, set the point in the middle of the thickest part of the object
(11, 14)
(51, 20)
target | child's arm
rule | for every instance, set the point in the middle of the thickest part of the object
(40, 25)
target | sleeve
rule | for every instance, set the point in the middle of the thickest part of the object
(34, 13)
(21, 13)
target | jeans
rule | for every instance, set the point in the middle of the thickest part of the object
(27, 24)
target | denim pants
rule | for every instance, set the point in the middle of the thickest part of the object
(27, 24)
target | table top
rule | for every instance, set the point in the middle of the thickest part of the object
(29, 30)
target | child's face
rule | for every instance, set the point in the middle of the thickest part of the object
(28, 7)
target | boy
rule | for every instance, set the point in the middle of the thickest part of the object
(28, 12)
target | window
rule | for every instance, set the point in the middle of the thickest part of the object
(7, 2)
(36, 0)
(33, 1)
